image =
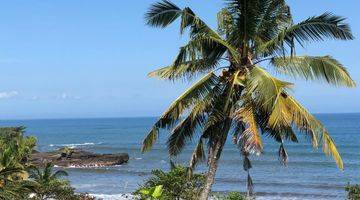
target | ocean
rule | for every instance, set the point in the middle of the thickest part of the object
(308, 175)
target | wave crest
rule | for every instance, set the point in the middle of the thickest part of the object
(72, 146)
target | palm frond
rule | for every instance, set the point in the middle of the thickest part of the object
(163, 13)
(272, 16)
(318, 28)
(197, 156)
(330, 149)
(315, 28)
(7, 171)
(187, 69)
(283, 155)
(323, 68)
(265, 88)
(288, 112)
(250, 138)
(200, 55)
(224, 103)
(59, 173)
(184, 131)
(150, 139)
(190, 97)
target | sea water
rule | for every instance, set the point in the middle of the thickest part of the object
(308, 175)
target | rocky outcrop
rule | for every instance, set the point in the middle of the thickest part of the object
(78, 158)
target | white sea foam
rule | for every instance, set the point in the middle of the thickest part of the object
(75, 145)
(133, 197)
(115, 196)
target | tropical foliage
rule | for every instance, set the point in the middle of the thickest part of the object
(353, 192)
(22, 181)
(235, 93)
(13, 141)
(175, 184)
(48, 185)
(15, 150)
(152, 193)
(233, 196)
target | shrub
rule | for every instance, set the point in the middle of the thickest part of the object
(176, 184)
(235, 196)
(230, 196)
(353, 192)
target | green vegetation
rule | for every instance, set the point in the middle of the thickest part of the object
(15, 150)
(244, 99)
(353, 192)
(176, 184)
(233, 196)
(22, 181)
(48, 185)
(13, 141)
(151, 193)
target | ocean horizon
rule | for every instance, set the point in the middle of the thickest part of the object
(308, 175)
(131, 117)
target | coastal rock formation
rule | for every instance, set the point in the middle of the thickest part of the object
(78, 158)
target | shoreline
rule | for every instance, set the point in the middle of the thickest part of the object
(261, 197)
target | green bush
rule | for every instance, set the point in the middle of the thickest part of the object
(176, 184)
(235, 196)
(353, 192)
(230, 196)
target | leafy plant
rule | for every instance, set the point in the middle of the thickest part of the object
(48, 184)
(235, 95)
(235, 196)
(152, 193)
(13, 139)
(230, 196)
(176, 184)
(353, 192)
(15, 150)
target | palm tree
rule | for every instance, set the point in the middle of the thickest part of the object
(244, 99)
(12, 175)
(48, 184)
(22, 147)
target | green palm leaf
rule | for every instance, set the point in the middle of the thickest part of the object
(198, 155)
(264, 88)
(163, 13)
(184, 131)
(187, 69)
(320, 27)
(190, 97)
(315, 28)
(314, 68)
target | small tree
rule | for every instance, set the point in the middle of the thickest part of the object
(48, 185)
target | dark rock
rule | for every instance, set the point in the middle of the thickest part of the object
(78, 158)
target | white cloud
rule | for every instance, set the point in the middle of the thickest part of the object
(7, 95)
(34, 98)
(65, 96)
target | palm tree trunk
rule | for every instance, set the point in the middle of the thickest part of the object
(214, 155)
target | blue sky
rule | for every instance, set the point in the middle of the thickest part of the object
(68, 59)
